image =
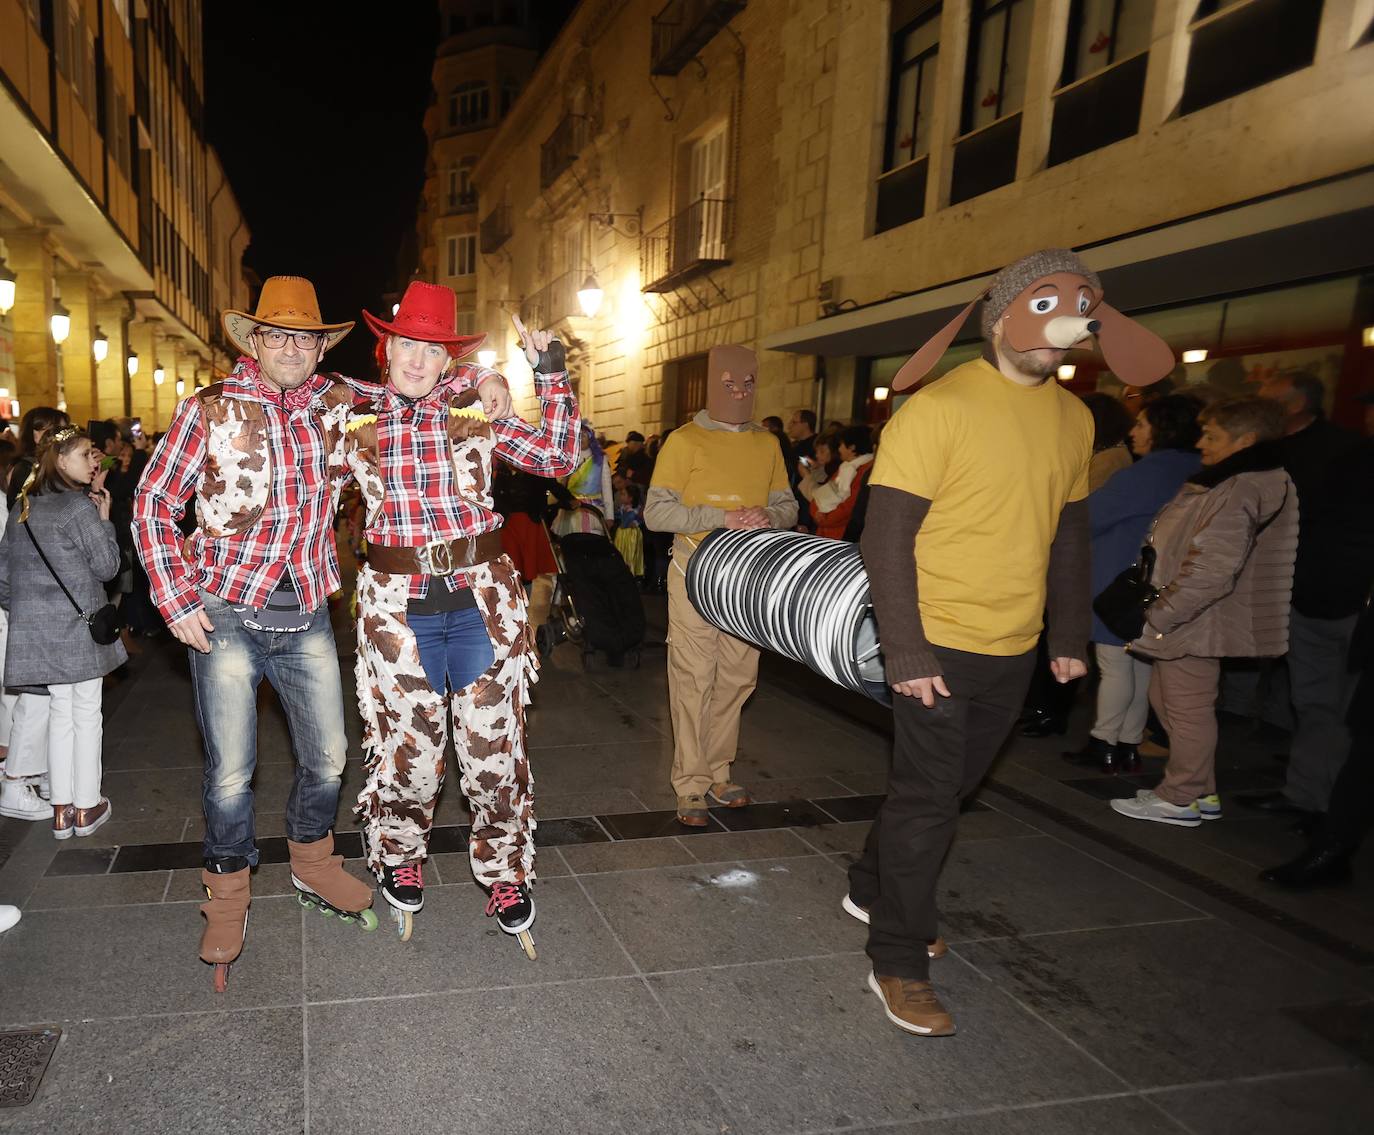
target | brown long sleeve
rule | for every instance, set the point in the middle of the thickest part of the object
(888, 547)
(1068, 586)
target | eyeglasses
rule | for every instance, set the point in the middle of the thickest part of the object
(305, 340)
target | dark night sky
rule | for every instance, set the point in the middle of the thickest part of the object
(316, 110)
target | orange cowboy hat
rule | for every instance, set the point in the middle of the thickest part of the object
(428, 313)
(287, 302)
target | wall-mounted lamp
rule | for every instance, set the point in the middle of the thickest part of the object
(131, 363)
(100, 345)
(181, 387)
(1066, 372)
(589, 296)
(880, 393)
(7, 281)
(1366, 336)
(1197, 356)
(158, 374)
(60, 323)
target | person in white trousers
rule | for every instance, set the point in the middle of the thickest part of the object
(57, 549)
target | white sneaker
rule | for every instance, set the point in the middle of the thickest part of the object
(1145, 805)
(9, 915)
(44, 786)
(1209, 806)
(19, 801)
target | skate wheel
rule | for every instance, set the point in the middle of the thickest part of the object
(367, 919)
(221, 977)
(527, 944)
(405, 923)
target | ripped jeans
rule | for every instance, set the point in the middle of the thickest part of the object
(303, 667)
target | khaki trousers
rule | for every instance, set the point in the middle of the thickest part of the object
(710, 676)
(1184, 694)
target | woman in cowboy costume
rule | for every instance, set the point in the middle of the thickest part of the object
(441, 611)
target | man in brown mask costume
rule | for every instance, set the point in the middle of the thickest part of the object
(718, 471)
(977, 523)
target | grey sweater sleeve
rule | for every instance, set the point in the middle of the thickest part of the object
(888, 547)
(781, 508)
(1068, 588)
(665, 512)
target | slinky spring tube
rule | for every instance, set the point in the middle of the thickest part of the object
(805, 597)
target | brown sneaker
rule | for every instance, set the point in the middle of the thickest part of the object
(87, 820)
(730, 794)
(63, 820)
(691, 811)
(912, 1005)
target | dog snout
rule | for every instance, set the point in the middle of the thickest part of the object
(1065, 330)
(1094, 326)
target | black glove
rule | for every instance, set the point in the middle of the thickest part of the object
(552, 361)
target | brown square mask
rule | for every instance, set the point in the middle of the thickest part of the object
(731, 376)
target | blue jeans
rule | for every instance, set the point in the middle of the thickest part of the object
(303, 668)
(455, 649)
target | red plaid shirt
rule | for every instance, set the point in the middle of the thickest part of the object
(422, 502)
(294, 535)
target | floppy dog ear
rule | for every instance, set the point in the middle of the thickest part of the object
(920, 364)
(1133, 353)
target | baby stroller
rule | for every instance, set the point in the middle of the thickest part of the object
(596, 600)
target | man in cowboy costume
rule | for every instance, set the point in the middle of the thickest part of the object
(441, 610)
(262, 455)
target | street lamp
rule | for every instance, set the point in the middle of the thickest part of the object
(60, 323)
(7, 279)
(589, 296)
(158, 374)
(487, 358)
(132, 363)
(100, 345)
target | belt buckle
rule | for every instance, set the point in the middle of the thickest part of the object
(436, 558)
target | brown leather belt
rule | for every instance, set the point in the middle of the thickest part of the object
(438, 557)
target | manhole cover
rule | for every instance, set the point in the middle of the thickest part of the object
(24, 1056)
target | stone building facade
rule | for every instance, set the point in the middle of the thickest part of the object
(829, 179)
(113, 209)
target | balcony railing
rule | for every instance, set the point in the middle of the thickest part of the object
(694, 240)
(684, 27)
(495, 229)
(560, 149)
(554, 301)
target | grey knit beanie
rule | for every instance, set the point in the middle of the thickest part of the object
(1012, 280)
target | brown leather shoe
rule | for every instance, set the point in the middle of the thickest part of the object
(912, 1005)
(87, 820)
(729, 794)
(63, 820)
(691, 811)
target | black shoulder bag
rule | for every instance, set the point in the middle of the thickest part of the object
(104, 624)
(1122, 604)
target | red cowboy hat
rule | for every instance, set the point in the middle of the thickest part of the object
(428, 314)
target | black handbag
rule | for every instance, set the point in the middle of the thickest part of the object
(1122, 604)
(104, 624)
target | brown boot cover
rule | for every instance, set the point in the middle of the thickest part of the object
(225, 915)
(316, 865)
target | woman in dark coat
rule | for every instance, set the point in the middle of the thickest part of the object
(64, 513)
(1164, 438)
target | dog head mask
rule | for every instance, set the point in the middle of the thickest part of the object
(730, 380)
(1052, 300)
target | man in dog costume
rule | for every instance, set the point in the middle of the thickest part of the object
(718, 471)
(441, 610)
(977, 524)
(261, 453)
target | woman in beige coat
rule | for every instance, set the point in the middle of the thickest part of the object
(1225, 547)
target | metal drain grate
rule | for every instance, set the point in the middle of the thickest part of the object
(24, 1056)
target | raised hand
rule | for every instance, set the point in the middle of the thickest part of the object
(532, 341)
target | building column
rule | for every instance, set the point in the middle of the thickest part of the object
(1168, 65)
(35, 354)
(112, 316)
(143, 337)
(78, 362)
(1049, 28)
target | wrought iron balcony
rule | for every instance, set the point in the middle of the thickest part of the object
(495, 229)
(684, 27)
(691, 241)
(560, 149)
(554, 301)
